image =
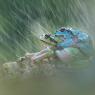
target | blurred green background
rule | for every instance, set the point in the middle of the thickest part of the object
(21, 23)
